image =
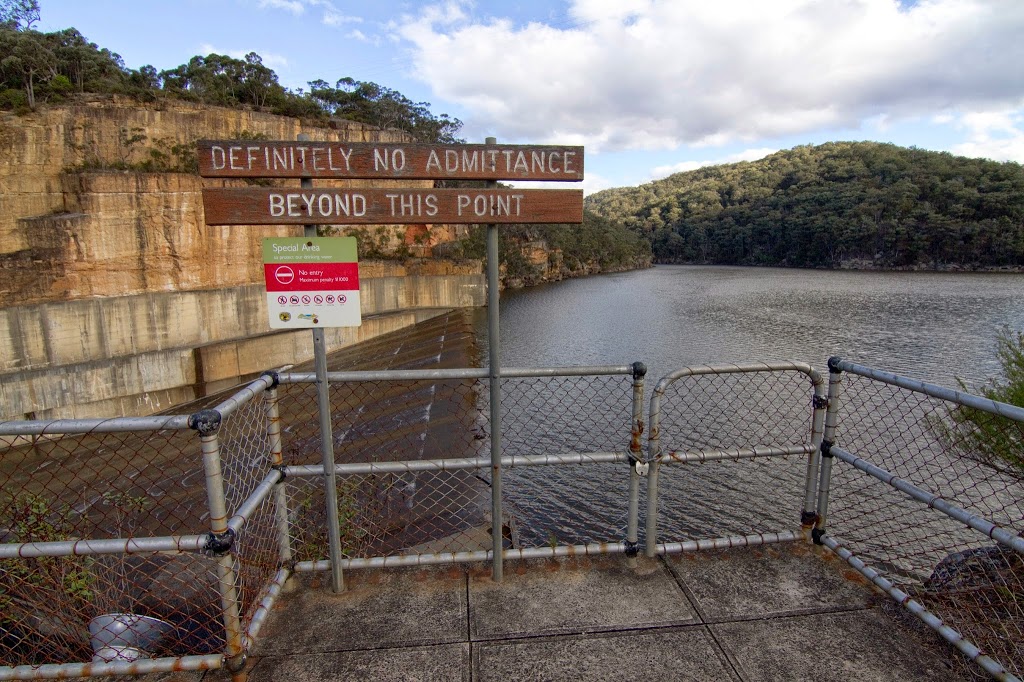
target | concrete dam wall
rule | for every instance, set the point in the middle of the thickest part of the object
(142, 353)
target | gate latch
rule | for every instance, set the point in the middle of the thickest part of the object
(642, 468)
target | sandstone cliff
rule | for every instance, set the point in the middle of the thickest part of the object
(116, 297)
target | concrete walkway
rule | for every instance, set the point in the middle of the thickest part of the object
(780, 613)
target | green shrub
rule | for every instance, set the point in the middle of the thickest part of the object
(14, 99)
(987, 438)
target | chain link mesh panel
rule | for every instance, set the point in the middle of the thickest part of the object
(414, 512)
(90, 486)
(389, 421)
(713, 412)
(972, 583)
(566, 504)
(245, 463)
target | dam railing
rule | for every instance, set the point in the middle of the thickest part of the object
(150, 544)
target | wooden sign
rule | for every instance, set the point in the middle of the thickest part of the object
(263, 206)
(260, 159)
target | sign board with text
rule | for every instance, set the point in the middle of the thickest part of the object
(293, 206)
(366, 160)
(312, 282)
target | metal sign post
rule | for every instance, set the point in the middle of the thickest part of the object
(323, 401)
(494, 365)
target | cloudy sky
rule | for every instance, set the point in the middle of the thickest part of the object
(648, 87)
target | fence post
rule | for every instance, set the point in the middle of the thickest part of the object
(820, 402)
(277, 462)
(494, 363)
(221, 540)
(652, 465)
(835, 380)
(635, 457)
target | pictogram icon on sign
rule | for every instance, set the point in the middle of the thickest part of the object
(330, 298)
(318, 299)
(342, 298)
(284, 274)
(283, 300)
(306, 299)
(294, 300)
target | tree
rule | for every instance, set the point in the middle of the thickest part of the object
(19, 14)
(257, 80)
(986, 438)
(379, 106)
(28, 58)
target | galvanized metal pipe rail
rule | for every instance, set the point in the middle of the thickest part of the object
(249, 392)
(593, 549)
(1009, 538)
(455, 464)
(965, 646)
(755, 452)
(270, 595)
(960, 397)
(39, 427)
(134, 545)
(443, 374)
(665, 548)
(260, 493)
(64, 671)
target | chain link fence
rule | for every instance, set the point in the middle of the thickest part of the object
(960, 456)
(145, 524)
(88, 496)
(105, 539)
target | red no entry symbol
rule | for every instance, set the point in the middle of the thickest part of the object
(284, 274)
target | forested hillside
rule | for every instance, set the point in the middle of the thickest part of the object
(859, 204)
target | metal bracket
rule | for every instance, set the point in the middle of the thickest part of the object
(206, 422)
(826, 448)
(819, 402)
(632, 549)
(280, 468)
(218, 544)
(817, 534)
(642, 468)
(237, 663)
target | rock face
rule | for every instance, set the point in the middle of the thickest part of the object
(117, 298)
(981, 567)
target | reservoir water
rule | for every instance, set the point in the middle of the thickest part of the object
(933, 326)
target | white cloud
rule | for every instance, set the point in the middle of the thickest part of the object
(745, 155)
(293, 6)
(270, 60)
(338, 19)
(996, 135)
(330, 15)
(643, 74)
